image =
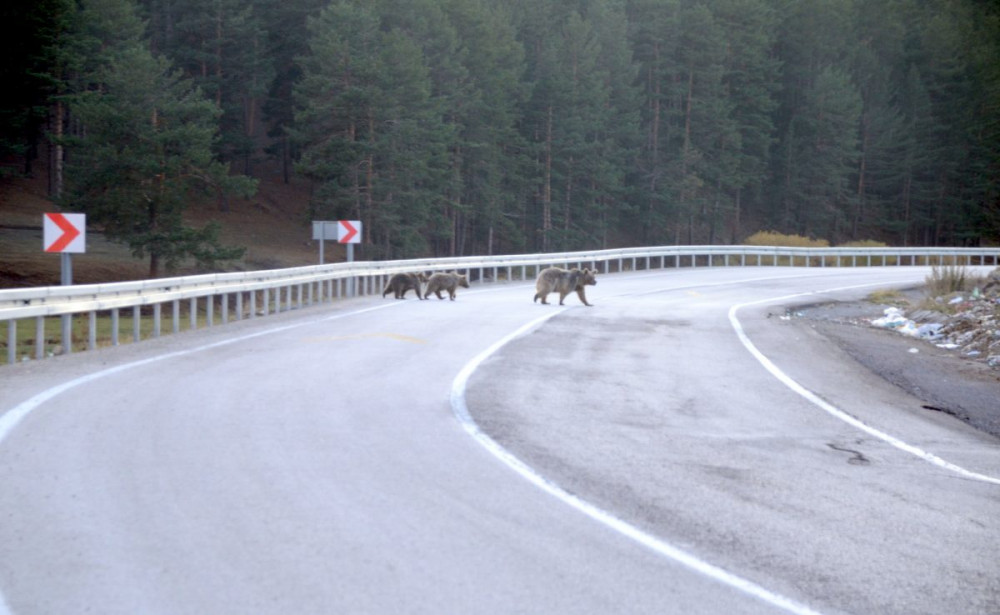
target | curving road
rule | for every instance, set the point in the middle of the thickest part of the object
(677, 448)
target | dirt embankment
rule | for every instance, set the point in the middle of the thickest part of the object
(946, 358)
(272, 226)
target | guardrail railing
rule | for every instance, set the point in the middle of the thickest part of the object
(206, 299)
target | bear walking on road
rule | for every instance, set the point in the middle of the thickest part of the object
(400, 283)
(562, 281)
(445, 281)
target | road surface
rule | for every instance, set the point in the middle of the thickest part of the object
(677, 448)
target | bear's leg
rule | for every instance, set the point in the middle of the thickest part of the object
(582, 295)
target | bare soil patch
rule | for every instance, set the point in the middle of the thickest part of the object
(273, 226)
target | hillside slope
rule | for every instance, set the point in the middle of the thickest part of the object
(273, 226)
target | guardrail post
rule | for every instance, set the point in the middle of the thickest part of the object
(225, 308)
(11, 341)
(253, 304)
(136, 324)
(67, 333)
(177, 315)
(92, 330)
(114, 326)
(157, 310)
(210, 310)
(193, 313)
(239, 305)
(40, 337)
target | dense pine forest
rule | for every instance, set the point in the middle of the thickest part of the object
(453, 127)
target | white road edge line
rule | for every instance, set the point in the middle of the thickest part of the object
(830, 408)
(649, 541)
(10, 420)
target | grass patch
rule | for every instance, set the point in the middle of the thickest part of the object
(27, 332)
(888, 296)
(949, 279)
(946, 282)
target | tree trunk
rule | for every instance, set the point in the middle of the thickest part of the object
(684, 196)
(56, 152)
(906, 209)
(569, 195)
(654, 147)
(737, 213)
(859, 209)
(547, 186)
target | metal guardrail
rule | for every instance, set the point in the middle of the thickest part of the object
(259, 293)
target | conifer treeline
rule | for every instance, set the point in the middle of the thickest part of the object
(456, 127)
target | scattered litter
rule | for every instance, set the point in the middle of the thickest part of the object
(971, 325)
(914, 350)
(896, 320)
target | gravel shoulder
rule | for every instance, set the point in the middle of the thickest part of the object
(945, 381)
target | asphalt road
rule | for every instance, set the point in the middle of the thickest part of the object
(677, 448)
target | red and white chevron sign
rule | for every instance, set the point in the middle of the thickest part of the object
(64, 233)
(349, 231)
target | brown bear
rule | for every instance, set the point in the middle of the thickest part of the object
(556, 279)
(445, 281)
(400, 283)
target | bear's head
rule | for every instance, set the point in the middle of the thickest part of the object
(587, 278)
(463, 281)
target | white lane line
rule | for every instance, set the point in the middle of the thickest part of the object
(649, 541)
(830, 408)
(10, 420)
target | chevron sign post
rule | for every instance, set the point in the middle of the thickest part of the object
(66, 235)
(349, 231)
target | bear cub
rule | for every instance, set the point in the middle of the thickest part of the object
(445, 281)
(400, 283)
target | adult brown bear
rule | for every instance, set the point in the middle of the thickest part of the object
(562, 281)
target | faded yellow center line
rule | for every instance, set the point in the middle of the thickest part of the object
(359, 336)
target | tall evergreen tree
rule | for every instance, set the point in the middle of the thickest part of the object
(222, 46)
(654, 34)
(487, 213)
(375, 141)
(144, 145)
(751, 80)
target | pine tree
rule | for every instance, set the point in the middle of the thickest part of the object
(375, 141)
(143, 147)
(222, 46)
(484, 207)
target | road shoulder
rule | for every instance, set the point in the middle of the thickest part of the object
(944, 381)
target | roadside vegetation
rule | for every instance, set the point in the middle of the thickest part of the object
(457, 127)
